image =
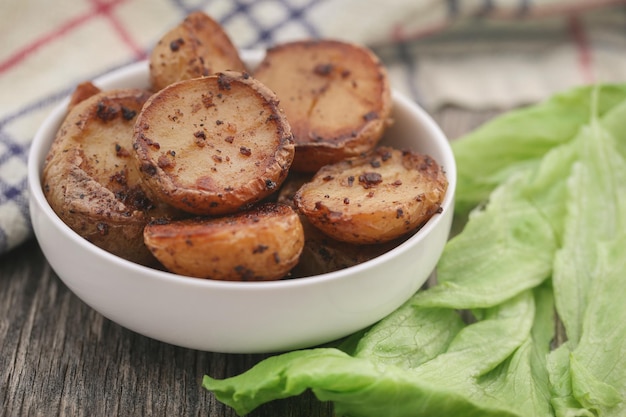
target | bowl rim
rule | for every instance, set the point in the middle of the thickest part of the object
(45, 135)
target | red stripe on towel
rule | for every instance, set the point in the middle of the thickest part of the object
(105, 9)
(56, 34)
(581, 41)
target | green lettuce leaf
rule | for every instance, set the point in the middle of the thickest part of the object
(587, 373)
(523, 378)
(460, 381)
(596, 212)
(410, 336)
(518, 139)
(588, 380)
(357, 386)
(562, 399)
(598, 364)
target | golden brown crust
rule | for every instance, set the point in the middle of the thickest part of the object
(261, 244)
(90, 178)
(197, 47)
(213, 145)
(373, 198)
(336, 96)
(82, 91)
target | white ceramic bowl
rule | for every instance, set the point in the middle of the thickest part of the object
(244, 317)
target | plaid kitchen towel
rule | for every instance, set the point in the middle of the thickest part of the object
(472, 53)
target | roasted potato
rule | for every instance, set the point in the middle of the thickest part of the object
(213, 145)
(373, 198)
(321, 253)
(336, 96)
(90, 178)
(261, 244)
(197, 47)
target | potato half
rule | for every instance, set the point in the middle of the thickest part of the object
(213, 145)
(321, 253)
(90, 178)
(196, 47)
(336, 96)
(261, 244)
(373, 198)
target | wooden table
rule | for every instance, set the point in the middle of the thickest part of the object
(58, 357)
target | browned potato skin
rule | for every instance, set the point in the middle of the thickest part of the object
(197, 47)
(82, 92)
(336, 95)
(321, 253)
(262, 244)
(373, 198)
(90, 178)
(213, 145)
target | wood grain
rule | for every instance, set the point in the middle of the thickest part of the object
(58, 357)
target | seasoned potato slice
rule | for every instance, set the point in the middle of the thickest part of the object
(90, 178)
(261, 244)
(213, 145)
(336, 96)
(197, 47)
(373, 198)
(322, 253)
